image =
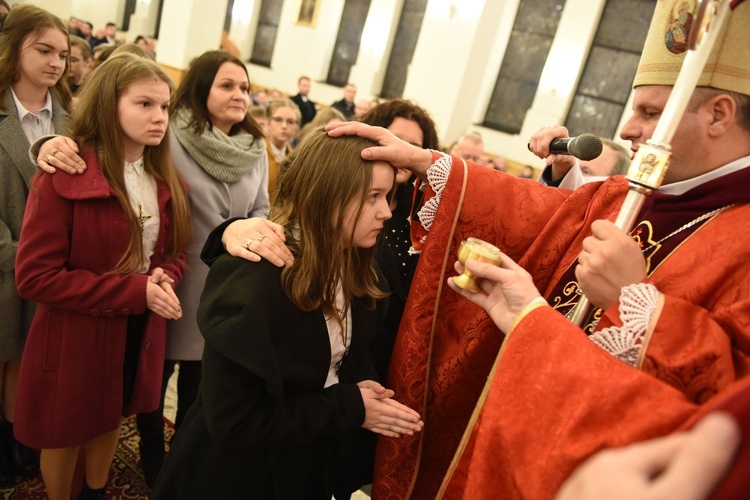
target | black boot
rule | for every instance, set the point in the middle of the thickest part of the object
(88, 493)
(151, 429)
(24, 460)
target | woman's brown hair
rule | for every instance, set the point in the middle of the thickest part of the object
(192, 94)
(95, 126)
(384, 113)
(22, 22)
(325, 177)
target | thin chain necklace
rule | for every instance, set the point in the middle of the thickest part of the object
(690, 224)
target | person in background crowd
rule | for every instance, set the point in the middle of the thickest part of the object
(4, 11)
(614, 160)
(322, 118)
(499, 163)
(151, 45)
(469, 147)
(80, 62)
(282, 117)
(107, 35)
(566, 171)
(526, 173)
(362, 107)
(258, 114)
(140, 40)
(306, 106)
(346, 103)
(34, 101)
(83, 30)
(260, 98)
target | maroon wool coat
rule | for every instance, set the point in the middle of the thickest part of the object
(70, 386)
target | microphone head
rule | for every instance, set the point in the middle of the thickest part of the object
(585, 147)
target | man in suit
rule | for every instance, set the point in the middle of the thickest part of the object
(306, 106)
(346, 105)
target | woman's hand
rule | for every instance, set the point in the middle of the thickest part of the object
(376, 387)
(506, 290)
(255, 239)
(60, 153)
(385, 416)
(160, 296)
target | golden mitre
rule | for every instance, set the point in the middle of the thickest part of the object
(727, 68)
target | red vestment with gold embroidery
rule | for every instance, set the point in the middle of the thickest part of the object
(554, 397)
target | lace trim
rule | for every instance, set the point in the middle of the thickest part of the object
(637, 305)
(437, 177)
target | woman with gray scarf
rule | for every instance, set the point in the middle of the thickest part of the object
(220, 152)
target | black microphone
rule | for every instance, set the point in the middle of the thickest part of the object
(584, 147)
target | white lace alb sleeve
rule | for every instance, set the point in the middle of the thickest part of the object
(437, 177)
(638, 303)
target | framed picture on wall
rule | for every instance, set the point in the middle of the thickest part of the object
(308, 12)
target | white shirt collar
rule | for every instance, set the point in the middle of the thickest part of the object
(677, 188)
(278, 153)
(136, 166)
(22, 111)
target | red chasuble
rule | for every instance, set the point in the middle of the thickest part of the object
(514, 422)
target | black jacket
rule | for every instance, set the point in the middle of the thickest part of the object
(263, 426)
(306, 108)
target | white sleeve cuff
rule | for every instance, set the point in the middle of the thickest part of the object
(437, 177)
(638, 302)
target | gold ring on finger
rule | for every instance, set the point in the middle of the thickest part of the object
(260, 238)
(49, 157)
(247, 245)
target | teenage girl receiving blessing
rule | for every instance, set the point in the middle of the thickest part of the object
(100, 252)
(287, 379)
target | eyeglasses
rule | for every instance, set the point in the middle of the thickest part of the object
(281, 120)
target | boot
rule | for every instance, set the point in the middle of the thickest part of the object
(88, 493)
(151, 447)
(24, 460)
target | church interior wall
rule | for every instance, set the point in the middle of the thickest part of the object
(452, 74)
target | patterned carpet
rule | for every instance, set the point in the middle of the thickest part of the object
(125, 479)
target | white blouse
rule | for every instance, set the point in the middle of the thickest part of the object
(141, 187)
(35, 124)
(339, 342)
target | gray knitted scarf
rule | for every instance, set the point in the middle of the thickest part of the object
(225, 158)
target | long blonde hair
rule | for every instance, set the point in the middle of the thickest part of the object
(96, 127)
(325, 177)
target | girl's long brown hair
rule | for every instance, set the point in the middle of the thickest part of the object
(96, 127)
(324, 178)
(23, 21)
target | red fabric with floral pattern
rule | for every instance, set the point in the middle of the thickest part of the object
(707, 285)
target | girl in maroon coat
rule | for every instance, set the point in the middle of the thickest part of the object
(101, 252)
